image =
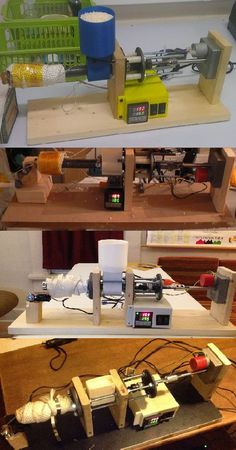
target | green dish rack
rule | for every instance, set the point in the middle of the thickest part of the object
(40, 41)
(28, 9)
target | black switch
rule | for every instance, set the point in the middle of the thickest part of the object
(154, 109)
(162, 108)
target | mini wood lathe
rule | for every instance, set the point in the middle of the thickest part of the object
(143, 395)
(136, 83)
(144, 302)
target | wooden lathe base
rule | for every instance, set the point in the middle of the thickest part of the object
(91, 116)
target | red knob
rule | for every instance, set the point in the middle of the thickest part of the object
(207, 280)
(201, 174)
(199, 363)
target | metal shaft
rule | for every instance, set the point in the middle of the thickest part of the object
(79, 163)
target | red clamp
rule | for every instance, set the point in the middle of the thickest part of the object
(207, 280)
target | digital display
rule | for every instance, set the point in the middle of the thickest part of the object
(146, 316)
(137, 112)
(114, 198)
(151, 421)
(143, 319)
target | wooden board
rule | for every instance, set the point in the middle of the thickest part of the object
(212, 88)
(91, 116)
(114, 354)
(155, 209)
(69, 323)
(219, 194)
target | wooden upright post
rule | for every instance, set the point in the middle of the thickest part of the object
(206, 383)
(218, 195)
(212, 88)
(96, 277)
(116, 84)
(87, 418)
(222, 312)
(119, 410)
(129, 177)
(34, 312)
(129, 288)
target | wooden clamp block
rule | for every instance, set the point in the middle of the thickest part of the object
(212, 88)
(222, 312)
(206, 383)
(86, 419)
(18, 441)
(119, 410)
(100, 386)
(34, 312)
(37, 193)
(97, 306)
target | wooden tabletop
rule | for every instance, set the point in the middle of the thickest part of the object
(84, 208)
(23, 370)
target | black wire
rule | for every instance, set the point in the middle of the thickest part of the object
(167, 342)
(177, 68)
(60, 351)
(230, 68)
(70, 307)
(113, 301)
(227, 390)
(221, 395)
(188, 195)
(75, 309)
(57, 388)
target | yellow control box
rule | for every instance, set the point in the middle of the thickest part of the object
(143, 100)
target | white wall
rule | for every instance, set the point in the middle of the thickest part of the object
(127, 9)
(20, 260)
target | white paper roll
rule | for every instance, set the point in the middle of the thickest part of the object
(112, 255)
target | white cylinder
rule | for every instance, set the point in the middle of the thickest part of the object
(112, 255)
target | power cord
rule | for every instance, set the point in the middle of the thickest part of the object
(56, 363)
(70, 307)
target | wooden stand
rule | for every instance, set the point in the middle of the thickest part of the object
(206, 383)
(118, 410)
(212, 88)
(96, 279)
(116, 84)
(93, 116)
(219, 195)
(222, 312)
(18, 441)
(34, 312)
(129, 288)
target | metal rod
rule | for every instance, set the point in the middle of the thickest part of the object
(133, 76)
(79, 163)
(173, 61)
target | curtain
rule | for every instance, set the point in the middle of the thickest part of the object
(63, 249)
